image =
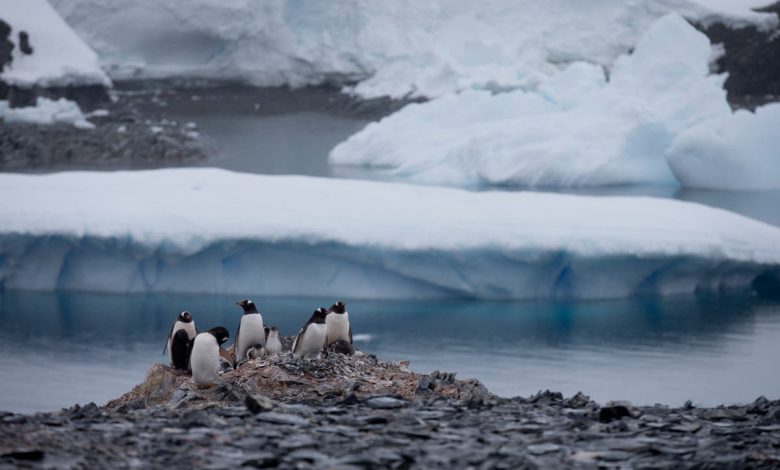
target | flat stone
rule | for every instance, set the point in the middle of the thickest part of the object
(385, 403)
(282, 418)
(546, 448)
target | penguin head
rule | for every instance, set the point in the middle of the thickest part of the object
(248, 306)
(185, 317)
(221, 333)
(319, 315)
(338, 307)
(274, 329)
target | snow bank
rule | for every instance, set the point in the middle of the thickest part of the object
(735, 151)
(577, 129)
(208, 230)
(59, 57)
(46, 111)
(390, 47)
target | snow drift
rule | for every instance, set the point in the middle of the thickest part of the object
(390, 47)
(59, 57)
(206, 230)
(577, 129)
(46, 111)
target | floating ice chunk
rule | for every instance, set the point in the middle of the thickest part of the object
(46, 111)
(214, 231)
(577, 130)
(59, 58)
(735, 151)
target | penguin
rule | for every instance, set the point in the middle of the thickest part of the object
(181, 345)
(313, 336)
(255, 351)
(273, 344)
(337, 322)
(183, 322)
(204, 358)
(250, 329)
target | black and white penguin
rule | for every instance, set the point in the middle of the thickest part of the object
(181, 345)
(250, 329)
(273, 345)
(255, 351)
(313, 336)
(204, 358)
(337, 322)
(183, 322)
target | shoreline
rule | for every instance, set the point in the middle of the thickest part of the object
(361, 412)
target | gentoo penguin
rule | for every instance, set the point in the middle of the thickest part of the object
(204, 359)
(313, 336)
(181, 345)
(337, 322)
(250, 329)
(183, 322)
(272, 343)
(255, 351)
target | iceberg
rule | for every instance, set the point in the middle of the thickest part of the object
(577, 129)
(215, 231)
(396, 48)
(60, 58)
(739, 151)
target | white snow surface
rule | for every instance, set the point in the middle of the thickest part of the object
(735, 151)
(209, 231)
(577, 128)
(59, 58)
(46, 111)
(394, 48)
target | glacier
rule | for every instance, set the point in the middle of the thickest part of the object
(215, 231)
(396, 48)
(60, 58)
(580, 127)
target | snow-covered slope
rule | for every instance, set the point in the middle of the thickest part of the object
(392, 47)
(59, 58)
(206, 230)
(46, 111)
(577, 128)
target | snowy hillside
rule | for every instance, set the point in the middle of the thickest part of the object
(390, 47)
(59, 57)
(204, 230)
(581, 129)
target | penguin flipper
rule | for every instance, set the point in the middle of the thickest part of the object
(325, 344)
(350, 334)
(235, 342)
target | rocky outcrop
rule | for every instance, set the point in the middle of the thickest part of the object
(751, 58)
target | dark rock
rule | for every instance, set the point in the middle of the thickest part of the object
(33, 455)
(24, 43)
(580, 400)
(608, 414)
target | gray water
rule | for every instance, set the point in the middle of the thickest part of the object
(57, 349)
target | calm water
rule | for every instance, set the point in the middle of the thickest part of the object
(59, 349)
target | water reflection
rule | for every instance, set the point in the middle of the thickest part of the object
(58, 349)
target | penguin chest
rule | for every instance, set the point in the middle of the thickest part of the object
(312, 339)
(204, 360)
(251, 333)
(338, 327)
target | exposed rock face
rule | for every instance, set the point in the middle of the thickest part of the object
(752, 60)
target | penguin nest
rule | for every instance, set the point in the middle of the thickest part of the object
(325, 379)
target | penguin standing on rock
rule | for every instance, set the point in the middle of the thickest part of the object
(250, 329)
(178, 343)
(337, 322)
(273, 345)
(313, 336)
(204, 359)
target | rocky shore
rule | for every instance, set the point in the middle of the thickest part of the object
(359, 412)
